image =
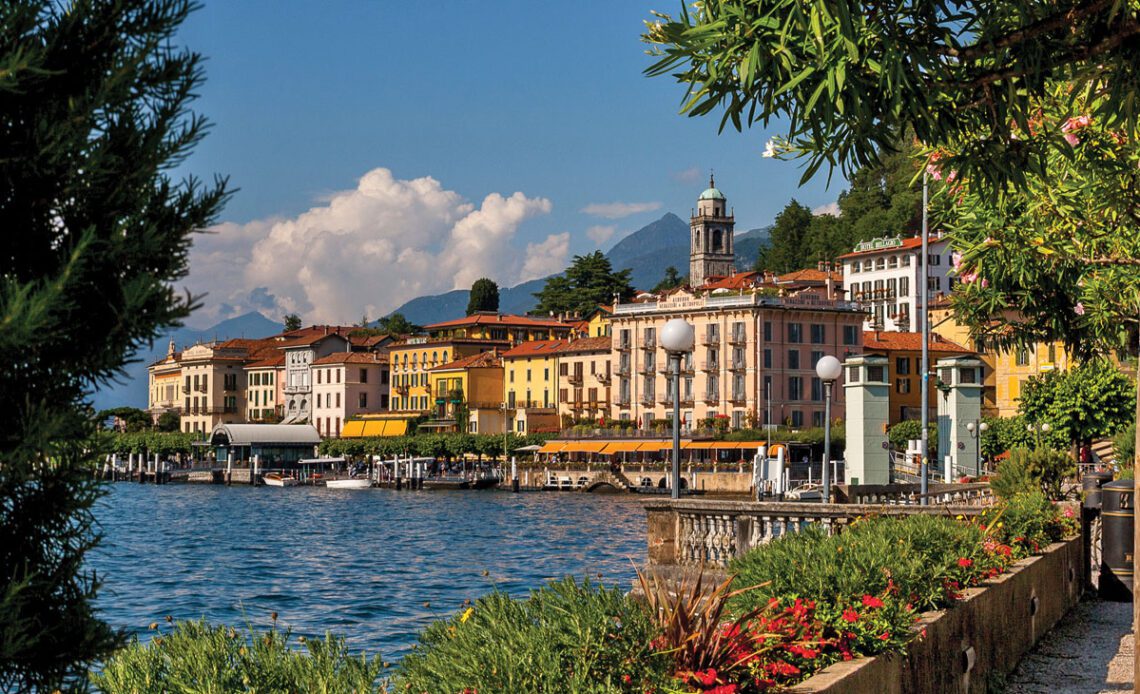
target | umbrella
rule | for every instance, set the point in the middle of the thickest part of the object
(529, 449)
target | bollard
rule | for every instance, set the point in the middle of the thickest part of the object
(1091, 484)
(254, 479)
(229, 467)
(514, 475)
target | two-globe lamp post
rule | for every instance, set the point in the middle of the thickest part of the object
(677, 337)
(829, 370)
(976, 430)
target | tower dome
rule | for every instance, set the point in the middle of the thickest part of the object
(712, 192)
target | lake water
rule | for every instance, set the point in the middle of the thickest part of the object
(358, 563)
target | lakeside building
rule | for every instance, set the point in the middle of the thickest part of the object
(883, 276)
(757, 341)
(468, 395)
(904, 367)
(585, 375)
(412, 360)
(213, 383)
(486, 325)
(265, 390)
(300, 352)
(347, 384)
(164, 381)
(531, 386)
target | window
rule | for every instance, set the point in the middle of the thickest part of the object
(934, 283)
(850, 334)
(893, 261)
(793, 359)
(364, 375)
(512, 375)
(383, 378)
(1023, 357)
(546, 373)
(563, 369)
(795, 332)
(867, 265)
(817, 419)
(797, 418)
(853, 267)
(902, 366)
(363, 400)
(767, 358)
(1052, 353)
(767, 331)
(815, 357)
(528, 374)
(816, 389)
(768, 387)
(906, 261)
(337, 400)
(818, 333)
(795, 387)
(904, 286)
(337, 375)
(880, 263)
(902, 385)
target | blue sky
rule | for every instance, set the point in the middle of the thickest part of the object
(487, 99)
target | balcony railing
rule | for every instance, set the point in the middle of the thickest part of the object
(710, 366)
(711, 398)
(622, 401)
(649, 342)
(623, 345)
(574, 377)
(401, 389)
(646, 368)
(646, 398)
(711, 339)
(737, 396)
(623, 369)
(602, 376)
(185, 389)
(201, 387)
(738, 366)
(738, 337)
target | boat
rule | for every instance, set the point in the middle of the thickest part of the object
(276, 479)
(449, 482)
(349, 483)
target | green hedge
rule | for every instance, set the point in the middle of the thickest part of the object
(452, 445)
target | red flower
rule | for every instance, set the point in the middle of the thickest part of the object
(850, 615)
(965, 563)
(884, 636)
(707, 677)
(722, 689)
(871, 601)
(626, 679)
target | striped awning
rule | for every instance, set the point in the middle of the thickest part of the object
(352, 429)
(551, 447)
(622, 447)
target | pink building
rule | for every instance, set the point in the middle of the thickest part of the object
(346, 384)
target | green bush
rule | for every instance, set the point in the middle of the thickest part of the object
(1030, 521)
(1125, 444)
(1027, 470)
(565, 637)
(197, 657)
(910, 430)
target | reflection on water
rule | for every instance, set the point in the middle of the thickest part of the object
(358, 563)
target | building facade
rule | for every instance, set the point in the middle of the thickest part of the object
(468, 394)
(300, 353)
(213, 385)
(412, 360)
(345, 385)
(530, 372)
(265, 392)
(883, 276)
(903, 352)
(164, 378)
(585, 377)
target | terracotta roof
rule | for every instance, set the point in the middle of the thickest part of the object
(535, 348)
(876, 340)
(313, 339)
(809, 275)
(907, 244)
(499, 319)
(586, 344)
(352, 358)
(481, 360)
(274, 361)
(741, 280)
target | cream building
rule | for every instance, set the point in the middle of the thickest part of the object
(213, 384)
(755, 354)
(164, 378)
(300, 353)
(883, 276)
(265, 392)
(585, 376)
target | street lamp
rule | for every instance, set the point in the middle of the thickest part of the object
(828, 369)
(976, 430)
(677, 337)
(1037, 429)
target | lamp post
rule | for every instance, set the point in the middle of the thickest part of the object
(828, 369)
(1037, 429)
(976, 430)
(677, 337)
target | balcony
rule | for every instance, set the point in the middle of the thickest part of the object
(201, 388)
(738, 337)
(185, 390)
(402, 390)
(603, 376)
(623, 369)
(647, 368)
(738, 366)
(531, 406)
(646, 399)
(711, 398)
(649, 343)
(623, 345)
(686, 400)
(711, 339)
(710, 366)
(737, 397)
(875, 295)
(574, 377)
(622, 401)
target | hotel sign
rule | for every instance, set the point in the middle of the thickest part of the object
(876, 244)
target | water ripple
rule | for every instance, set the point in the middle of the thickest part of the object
(362, 564)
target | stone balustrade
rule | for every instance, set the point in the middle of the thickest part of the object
(971, 494)
(691, 532)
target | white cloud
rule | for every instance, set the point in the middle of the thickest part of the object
(600, 234)
(831, 208)
(688, 176)
(368, 250)
(546, 258)
(617, 210)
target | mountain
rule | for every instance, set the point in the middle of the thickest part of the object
(130, 390)
(646, 252)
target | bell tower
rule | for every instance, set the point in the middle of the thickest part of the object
(710, 238)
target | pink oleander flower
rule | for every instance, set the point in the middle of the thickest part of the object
(934, 172)
(956, 259)
(1079, 309)
(1072, 139)
(1076, 123)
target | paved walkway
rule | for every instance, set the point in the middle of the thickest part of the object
(1089, 652)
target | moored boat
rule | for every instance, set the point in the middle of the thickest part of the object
(350, 483)
(276, 479)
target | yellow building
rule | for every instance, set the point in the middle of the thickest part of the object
(1005, 372)
(165, 380)
(474, 384)
(412, 360)
(531, 385)
(904, 364)
(597, 322)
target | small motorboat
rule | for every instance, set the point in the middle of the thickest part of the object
(349, 483)
(276, 479)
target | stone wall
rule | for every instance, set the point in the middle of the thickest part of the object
(985, 634)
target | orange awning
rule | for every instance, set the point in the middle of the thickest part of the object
(352, 429)
(621, 447)
(585, 447)
(552, 447)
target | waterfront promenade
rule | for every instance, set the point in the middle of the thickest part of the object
(1089, 652)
